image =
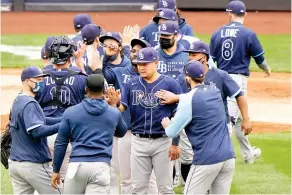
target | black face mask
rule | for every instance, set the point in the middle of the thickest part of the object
(166, 43)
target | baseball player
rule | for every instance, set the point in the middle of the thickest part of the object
(228, 87)
(91, 139)
(205, 124)
(29, 155)
(64, 87)
(113, 58)
(231, 47)
(171, 4)
(90, 35)
(165, 7)
(119, 77)
(172, 57)
(112, 45)
(150, 148)
(46, 52)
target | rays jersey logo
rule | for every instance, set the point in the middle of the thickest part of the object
(212, 84)
(146, 100)
(164, 3)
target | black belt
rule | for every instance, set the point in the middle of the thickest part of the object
(153, 136)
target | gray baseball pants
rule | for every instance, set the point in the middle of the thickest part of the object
(148, 154)
(245, 146)
(218, 176)
(28, 176)
(90, 178)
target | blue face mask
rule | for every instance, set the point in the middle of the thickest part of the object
(39, 87)
(112, 58)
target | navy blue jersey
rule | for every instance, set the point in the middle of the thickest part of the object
(223, 81)
(119, 77)
(72, 92)
(172, 65)
(26, 115)
(149, 32)
(232, 46)
(201, 113)
(145, 108)
(106, 65)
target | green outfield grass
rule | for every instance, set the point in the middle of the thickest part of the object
(277, 48)
(270, 174)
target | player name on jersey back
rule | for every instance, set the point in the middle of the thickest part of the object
(229, 32)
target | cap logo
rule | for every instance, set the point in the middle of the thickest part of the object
(161, 13)
(164, 3)
(192, 46)
(163, 26)
(141, 56)
(109, 34)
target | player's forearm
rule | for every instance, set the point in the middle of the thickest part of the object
(52, 121)
(59, 154)
(45, 130)
(121, 129)
(264, 66)
(243, 107)
(60, 146)
(79, 64)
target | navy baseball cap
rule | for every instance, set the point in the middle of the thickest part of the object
(95, 82)
(43, 54)
(32, 72)
(168, 4)
(48, 45)
(168, 28)
(194, 69)
(166, 14)
(141, 42)
(236, 7)
(111, 35)
(81, 20)
(198, 47)
(146, 55)
(89, 33)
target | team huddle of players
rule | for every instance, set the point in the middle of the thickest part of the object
(135, 110)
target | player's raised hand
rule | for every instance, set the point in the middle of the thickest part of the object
(167, 97)
(135, 31)
(96, 60)
(127, 35)
(112, 96)
(55, 180)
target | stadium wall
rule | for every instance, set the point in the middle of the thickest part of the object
(135, 5)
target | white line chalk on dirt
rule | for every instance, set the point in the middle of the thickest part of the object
(31, 52)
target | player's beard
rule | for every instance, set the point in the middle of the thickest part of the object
(188, 84)
(132, 58)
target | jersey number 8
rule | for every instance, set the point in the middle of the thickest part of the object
(227, 49)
